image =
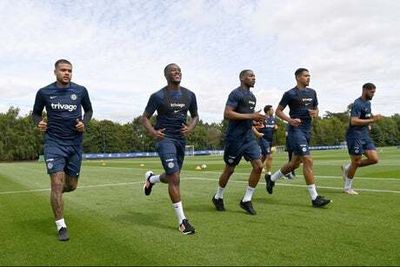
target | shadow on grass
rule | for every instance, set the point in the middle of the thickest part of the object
(151, 219)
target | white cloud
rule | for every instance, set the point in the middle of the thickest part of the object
(119, 49)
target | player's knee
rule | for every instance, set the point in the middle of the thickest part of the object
(374, 160)
(258, 168)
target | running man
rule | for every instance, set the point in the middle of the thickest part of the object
(357, 137)
(240, 140)
(63, 130)
(172, 104)
(303, 105)
(268, 130)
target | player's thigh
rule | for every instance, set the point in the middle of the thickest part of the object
(167, 152)
(251, 151)
(74, 161)
(55, 157)
(354, 146)
(299, 142)
(233, 152)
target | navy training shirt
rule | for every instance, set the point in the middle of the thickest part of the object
(299, 102)
(242, 101)
(362, 110)
(172, 107)
(269, 128)
(63, 107)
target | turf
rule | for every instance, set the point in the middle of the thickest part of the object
(111, 222)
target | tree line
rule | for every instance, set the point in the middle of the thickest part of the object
(21, 140)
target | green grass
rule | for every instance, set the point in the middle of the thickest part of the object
(111, 222)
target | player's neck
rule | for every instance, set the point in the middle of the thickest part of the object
(62, 85)
(300, 86)
(243, 86)
(173, 86)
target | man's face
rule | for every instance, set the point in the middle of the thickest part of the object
(63, 73)
(370, 93)
(249, 79)
(173, 74)
(304, 78)
(270, 112)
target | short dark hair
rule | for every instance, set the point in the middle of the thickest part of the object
(62, 61)
(369, 86)
(243, 72)
(167, 67)
(267, 108)
(299, 71)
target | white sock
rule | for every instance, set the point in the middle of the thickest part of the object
(154, 179)
(179, 211)
(348, 183)
(60, 223)
(313, 191)
(276, 176)
(220, 192)
(249, 194)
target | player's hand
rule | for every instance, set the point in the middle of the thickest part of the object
(313, 113)
(159, 134)
(377, 117)
(79, 126)
(185, 130)
(42, 125)
(260, 135)
(295, 122)
(257, 116)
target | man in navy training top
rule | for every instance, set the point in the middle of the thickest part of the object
(357, 137)
(63, 130)
(267, 130)
(172, 104)
(303, 105)
(240, 140)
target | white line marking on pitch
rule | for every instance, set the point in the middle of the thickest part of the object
(195, 178)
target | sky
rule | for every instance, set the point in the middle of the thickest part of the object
(119, 50)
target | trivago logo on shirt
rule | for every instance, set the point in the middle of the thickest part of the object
(60, 106)
(177, 105)
(307, 101)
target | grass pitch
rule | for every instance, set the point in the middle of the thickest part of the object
(111, 222)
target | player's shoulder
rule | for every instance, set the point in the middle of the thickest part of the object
(47, 88)
(77, 87)
(311, 90)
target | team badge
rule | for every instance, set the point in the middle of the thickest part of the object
(50, 165)
(73, 97)
(304, 149)
(171, 165)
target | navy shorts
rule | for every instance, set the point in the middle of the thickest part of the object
(171, 153)
(265, 146)
(299, 141)
(63, 158)
(357, 146)
(234, 151)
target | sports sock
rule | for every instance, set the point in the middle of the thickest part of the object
(249, 194)
(179, 211)
(276, 176)
(348, 183)
(220, 192)
(154, 179)
(60, 223)
(313, 191)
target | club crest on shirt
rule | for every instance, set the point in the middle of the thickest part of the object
(73, 97)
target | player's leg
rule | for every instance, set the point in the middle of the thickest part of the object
(232, 158)
(163, 147)
(72, 168)
(55, 157)
(252, 153)
(293, 142)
